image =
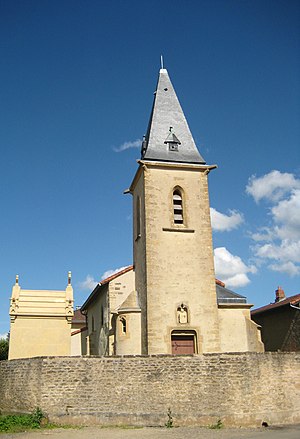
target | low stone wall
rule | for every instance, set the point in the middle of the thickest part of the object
(240, 389)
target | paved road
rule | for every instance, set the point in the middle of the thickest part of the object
(292, 432)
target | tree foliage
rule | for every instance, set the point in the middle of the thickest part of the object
(4, 344)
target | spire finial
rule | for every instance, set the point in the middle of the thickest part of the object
(17, 279)
(69, 277)
(161, 62)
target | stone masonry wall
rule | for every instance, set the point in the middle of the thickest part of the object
(240, 389)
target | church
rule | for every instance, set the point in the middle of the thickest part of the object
(168, 301)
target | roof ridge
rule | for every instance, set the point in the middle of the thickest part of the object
(286, 301)
(113, 276)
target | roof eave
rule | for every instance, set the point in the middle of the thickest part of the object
(235, 305)
(91, 297)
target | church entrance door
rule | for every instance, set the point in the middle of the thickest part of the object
(183, 343)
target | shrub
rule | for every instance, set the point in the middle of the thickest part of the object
(4, 349)
(15, 423)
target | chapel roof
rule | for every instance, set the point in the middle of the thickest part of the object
(168, 136)
(115, 275)
(103, 282)
(224, 295)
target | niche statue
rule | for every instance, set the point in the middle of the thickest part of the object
(182, 315)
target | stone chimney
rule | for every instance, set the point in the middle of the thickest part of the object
(279, 295)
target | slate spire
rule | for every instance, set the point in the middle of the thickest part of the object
(168, 137)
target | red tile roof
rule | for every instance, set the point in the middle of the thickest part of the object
(79, 330)
(293, 300)
(104, 282)
(113, 276)
(78, 317)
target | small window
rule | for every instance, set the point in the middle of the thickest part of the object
(177, 207)
(173, 146)
(93, 324)
(123, 325)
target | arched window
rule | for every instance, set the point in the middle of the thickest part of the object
(123, 325)
(177, 207)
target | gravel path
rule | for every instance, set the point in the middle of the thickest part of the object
(292, 432)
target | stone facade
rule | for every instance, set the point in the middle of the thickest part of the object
(240, 389)
(114, 319)
(174, 262)
(113, 316)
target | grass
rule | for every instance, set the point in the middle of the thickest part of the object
(169, 423)
(217, 426)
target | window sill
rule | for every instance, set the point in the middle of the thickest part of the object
(178, 229)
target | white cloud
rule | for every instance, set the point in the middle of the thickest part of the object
(272, 186)
(231, 269)
(3, 336)
(264, 234)
(88, 284)
(288, 267)
(126, 145)
(280, 240)
(286, 215)
(285, 251)
(109, 273)
(221, 222)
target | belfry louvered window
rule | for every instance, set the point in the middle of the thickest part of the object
(177, 207)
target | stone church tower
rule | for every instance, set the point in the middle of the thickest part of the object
(173, 252)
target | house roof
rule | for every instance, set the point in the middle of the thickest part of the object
(78, 331)
(166, 116)
(78, 317)
(293, 300)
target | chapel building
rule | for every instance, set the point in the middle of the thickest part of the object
(40, 322)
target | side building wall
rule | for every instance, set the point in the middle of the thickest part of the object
(240, 389)
(280, 328)
(238, 332)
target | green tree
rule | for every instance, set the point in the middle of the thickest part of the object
(4, 348)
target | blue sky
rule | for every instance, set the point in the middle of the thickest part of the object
(77, 82)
